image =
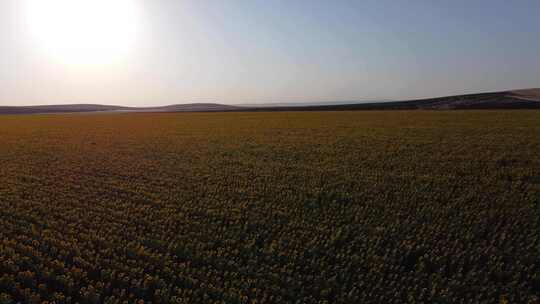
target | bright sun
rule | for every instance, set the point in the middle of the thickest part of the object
(84, 31)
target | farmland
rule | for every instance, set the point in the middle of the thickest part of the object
(288, 207)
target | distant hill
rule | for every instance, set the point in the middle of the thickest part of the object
(529, 94)
(80, 108)
(517, 99)
(189, 107)
(72, 108)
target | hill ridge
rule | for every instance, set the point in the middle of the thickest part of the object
(512, 99)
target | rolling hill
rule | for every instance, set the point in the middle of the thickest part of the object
(517, 99)
(88, 108)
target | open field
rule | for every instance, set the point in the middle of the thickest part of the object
(288, 207)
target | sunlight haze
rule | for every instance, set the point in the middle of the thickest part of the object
(137, 53)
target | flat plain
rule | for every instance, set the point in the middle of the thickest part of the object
(288, 207)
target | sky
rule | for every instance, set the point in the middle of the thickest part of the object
(159, 52)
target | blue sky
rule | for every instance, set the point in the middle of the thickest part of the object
(284, 51)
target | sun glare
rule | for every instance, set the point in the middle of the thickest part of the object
(84, 31)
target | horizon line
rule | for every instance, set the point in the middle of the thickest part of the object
(282, 103)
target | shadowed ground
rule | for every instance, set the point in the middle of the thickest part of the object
(292, 207)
